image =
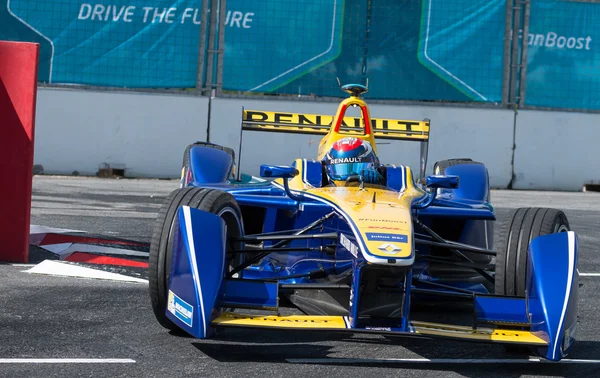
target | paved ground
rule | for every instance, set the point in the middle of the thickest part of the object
(54, 317)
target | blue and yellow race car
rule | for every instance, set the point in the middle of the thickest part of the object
(344, 242)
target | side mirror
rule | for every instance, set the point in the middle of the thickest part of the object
(277, 171)
(445, 182)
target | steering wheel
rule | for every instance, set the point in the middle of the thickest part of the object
(353, 178)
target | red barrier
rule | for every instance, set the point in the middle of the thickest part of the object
(18, 88)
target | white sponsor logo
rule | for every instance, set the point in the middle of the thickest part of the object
(389, 248)
(183, 311)
(171, 303)
(570, 336)
(345, 160)
(351, 247)
(552, 39)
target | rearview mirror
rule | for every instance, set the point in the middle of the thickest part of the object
(277, 171)
(446, 182)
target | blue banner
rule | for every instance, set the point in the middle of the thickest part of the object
(563, 55)
(431, 50)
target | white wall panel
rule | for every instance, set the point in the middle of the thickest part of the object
(78, 130)
(556, 150)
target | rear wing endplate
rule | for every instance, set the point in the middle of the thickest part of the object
(315, 124)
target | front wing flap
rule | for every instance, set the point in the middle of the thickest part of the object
(341, 323)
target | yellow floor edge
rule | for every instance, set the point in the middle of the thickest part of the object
(420, 328)
(286, 321)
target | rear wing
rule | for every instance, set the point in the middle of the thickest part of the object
(315, 124)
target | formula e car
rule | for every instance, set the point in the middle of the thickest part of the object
(297, 249)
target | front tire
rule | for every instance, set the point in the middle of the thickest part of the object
(216, 202)
(519, 228)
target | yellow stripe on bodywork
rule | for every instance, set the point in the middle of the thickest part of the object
(290, 321)
(502, 336)
(371, 210)
(479, 334)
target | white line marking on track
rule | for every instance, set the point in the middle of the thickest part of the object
(589, 274)
(434, 361)
(66, 361)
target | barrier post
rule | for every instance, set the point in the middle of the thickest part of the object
(18, 90)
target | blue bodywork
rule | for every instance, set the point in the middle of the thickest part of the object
(194, 287)
(460, 214)
(209, 166)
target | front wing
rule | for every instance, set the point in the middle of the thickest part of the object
(341, 323)
(544, 320)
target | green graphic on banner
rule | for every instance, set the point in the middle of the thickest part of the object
(462, 41)
(417, 50)
(425, 50)
(288, 40)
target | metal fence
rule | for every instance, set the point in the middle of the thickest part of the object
(504, 53)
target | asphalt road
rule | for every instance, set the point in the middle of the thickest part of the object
(57, 317)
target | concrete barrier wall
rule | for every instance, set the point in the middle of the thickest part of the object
(556, 150)
(482, 134)
(78, 130)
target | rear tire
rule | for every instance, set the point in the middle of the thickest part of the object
(519, 228)
(217, 202)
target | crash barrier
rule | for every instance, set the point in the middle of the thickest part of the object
(140, 135)
(409, 50)
(18, 91)
(552, 150)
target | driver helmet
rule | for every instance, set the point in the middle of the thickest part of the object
(349, 156)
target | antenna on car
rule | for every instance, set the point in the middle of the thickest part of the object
(239, 167)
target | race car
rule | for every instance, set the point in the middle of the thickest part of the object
(344, 242)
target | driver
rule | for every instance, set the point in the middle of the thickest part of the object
(353, 157)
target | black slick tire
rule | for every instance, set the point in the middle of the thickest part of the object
(161, 246)
(518, 229)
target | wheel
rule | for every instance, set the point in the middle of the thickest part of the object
(185, 164)
(217, 202)
(518, 229)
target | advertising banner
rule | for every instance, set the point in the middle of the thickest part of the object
(563, 55)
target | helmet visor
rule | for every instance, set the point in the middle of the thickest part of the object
(341, 172)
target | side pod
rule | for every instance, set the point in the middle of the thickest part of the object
(197, 268)
(552, 291)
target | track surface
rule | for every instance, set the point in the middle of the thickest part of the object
(56, 317)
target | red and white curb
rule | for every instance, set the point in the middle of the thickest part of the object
(57, 268)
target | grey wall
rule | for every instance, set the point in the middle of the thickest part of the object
(79, 130)
(556, 150)
(147, 133)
